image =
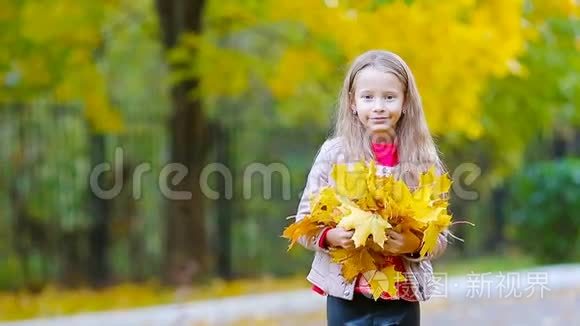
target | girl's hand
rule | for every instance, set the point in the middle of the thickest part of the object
(399, 243)
(339, 237)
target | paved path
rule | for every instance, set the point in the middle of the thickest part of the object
(543, 296)
(559, 307)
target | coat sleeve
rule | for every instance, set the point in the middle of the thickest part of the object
(317, 179)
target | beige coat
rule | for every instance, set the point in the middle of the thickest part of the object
(324, 273)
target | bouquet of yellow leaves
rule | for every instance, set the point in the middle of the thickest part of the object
(370, 205)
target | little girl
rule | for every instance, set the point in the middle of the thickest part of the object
(380, 117)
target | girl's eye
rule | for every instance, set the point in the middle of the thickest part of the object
(367, 97)
(390, 97)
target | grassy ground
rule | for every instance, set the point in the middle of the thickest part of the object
(484, 264)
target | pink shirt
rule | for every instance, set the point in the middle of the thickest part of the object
(386, 154)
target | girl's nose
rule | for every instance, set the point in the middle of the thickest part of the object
(379, 107)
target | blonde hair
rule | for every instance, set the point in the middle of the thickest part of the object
(416, 147)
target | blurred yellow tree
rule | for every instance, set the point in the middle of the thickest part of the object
(300, 50)
(50, 51)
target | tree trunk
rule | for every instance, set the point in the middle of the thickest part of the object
(98, 267)
(559, 146)
(459, 209)
(576, 146)
(224, 207)
(186, 247)
(495, 238)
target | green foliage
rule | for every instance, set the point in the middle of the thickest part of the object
(46, 150)
(484, 264)
(10, 273)
(545, 207)
(544, 91)
(49, 51)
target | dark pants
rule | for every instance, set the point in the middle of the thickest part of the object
(362, 311)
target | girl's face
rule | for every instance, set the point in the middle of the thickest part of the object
(378, 100)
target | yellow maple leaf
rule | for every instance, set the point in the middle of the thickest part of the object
(437, 184)
(326, 196)
(399, 199)
(428, 177)
(423, 194)
(440, 203)
(324, 207)
(442, 185)
(383, 186)
(353, 261)
(375, 250)
(430, 238)
(306, 227)
(364, 224)
(384, 281)
(428, 214)
(350, 182)
(411, 224)
(371, 178)
(368, 203)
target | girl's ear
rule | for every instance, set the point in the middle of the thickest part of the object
(405, 107)
(406, 103)
(351, 102)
